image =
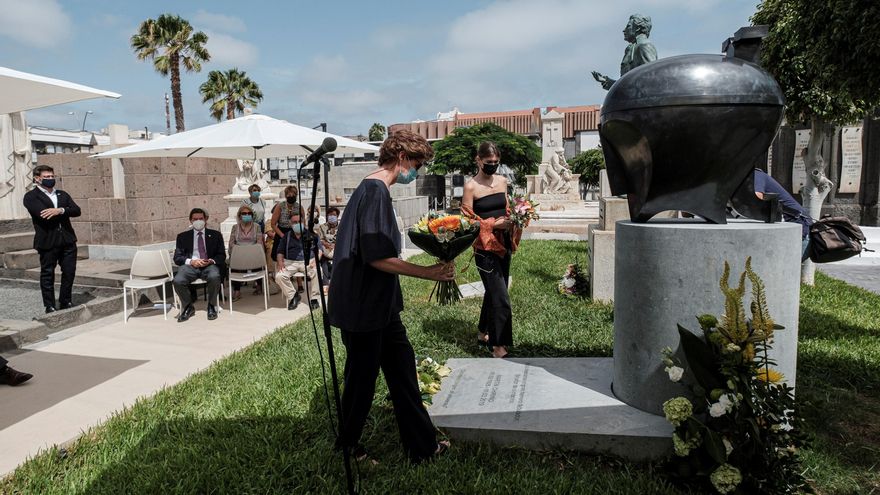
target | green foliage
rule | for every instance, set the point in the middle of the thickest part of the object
(229, 92)
(169, 41)
(751, 437)
(457, 151)
(824, 55)
(588, 163)
(377, 132)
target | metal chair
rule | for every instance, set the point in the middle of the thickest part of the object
(247, 263)
(148, 269)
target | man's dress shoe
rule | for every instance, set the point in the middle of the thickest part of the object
(50, 309)
(186, 313)
(293, 302)
(11, 377)
(212, 312)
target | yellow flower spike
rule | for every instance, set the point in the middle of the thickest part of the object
(769, 375)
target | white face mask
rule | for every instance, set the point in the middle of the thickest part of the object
(199, 224)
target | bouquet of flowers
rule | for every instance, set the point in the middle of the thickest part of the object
(575, 282)
(444, 236)
(430, 373)
(522, 211)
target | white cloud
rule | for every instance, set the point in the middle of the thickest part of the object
(39, 23)
(504, 55)
(203, 20)
(227, 50)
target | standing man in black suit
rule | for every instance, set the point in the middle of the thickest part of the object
(51, 210)
(199, 254)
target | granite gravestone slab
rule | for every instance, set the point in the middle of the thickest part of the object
(546, 403)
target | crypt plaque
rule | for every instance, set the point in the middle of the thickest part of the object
(851, 159)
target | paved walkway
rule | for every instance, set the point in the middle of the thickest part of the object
(85, 374)
(862, 271)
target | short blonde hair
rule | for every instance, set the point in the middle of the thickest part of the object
(414, 146)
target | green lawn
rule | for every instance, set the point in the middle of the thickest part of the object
(257, 421)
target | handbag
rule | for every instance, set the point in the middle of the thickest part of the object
(834, 239)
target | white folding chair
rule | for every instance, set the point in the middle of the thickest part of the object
(247, 262)
(148, 269)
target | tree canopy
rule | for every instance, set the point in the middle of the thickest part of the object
(457, 151)
(377, 132)
(824, 55)
(229, 92)
(169, 41)
(588, 163)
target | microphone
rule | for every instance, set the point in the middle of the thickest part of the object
(328, 146)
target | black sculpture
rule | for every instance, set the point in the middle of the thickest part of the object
(684, 133)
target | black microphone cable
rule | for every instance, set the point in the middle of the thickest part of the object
(310, 246)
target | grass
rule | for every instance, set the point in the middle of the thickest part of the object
(256, 421)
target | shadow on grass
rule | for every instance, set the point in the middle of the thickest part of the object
(253, 454)
(459, 331)
(837, 352)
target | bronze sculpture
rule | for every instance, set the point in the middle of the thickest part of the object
(684, 133)
(640, 50)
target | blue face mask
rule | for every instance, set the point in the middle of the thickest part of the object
(408, 176)
(297, 229)
(255, 195)
(247, 218)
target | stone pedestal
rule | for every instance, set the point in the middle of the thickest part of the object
(667, 272)
(601, 241)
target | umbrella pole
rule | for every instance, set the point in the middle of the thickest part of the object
(311, 247)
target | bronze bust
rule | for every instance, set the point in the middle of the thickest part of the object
(639, 51)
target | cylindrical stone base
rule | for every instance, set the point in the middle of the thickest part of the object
(667, 272)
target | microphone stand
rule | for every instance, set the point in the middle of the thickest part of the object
(309, 248)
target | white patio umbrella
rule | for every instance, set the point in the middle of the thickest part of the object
(246, 138)
(20, 91)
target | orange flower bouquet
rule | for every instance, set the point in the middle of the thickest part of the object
(444, 236)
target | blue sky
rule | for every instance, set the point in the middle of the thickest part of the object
(353, 63)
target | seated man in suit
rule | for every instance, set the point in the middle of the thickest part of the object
(291, 262)
(51, 210)
(199, 254)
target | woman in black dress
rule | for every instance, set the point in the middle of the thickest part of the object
(485, 196)
(365, 302)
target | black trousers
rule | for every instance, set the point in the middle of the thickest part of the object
(496, 317)
(49, 259)
(187, 274)
(390, 350)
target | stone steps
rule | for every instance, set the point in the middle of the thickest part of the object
(30, 258)
(17, 226)
(19, 241)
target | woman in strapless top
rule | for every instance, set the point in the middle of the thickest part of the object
(486, 196)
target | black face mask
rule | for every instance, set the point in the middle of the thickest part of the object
(48, 183)
(291, 200)
(490, 169)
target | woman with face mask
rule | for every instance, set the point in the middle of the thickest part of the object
(245, 231)
(485, 197)
(366, 300)
(256, 204)
(284, 215)
(327, 234)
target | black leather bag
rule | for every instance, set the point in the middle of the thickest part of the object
(834, 239)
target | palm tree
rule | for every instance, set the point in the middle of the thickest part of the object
(169, 41)
(229, 91)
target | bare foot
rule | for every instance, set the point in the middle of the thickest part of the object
(499, 351)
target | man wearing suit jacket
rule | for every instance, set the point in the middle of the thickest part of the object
(199, 254)
(51, 210)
